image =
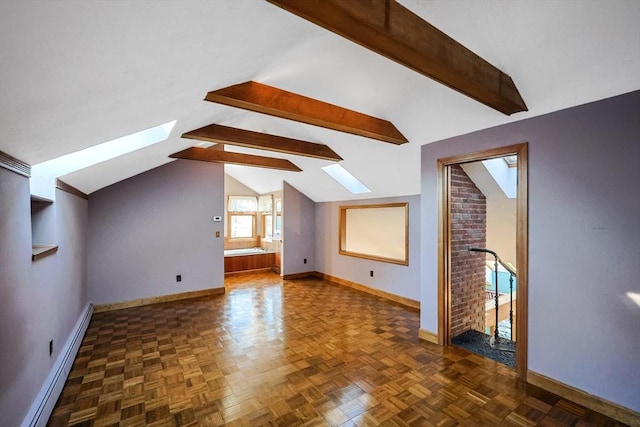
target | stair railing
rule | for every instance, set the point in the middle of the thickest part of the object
(512, 274)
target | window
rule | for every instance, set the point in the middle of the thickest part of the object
(43, 174)
(345, 178)
(267, 225)
(277, 232)
(378, 232)
(277, 227)
(242, 226)
(242, 204)
(265, 204)
(242, 216)
(512, 161)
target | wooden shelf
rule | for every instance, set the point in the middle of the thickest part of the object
(41, 251)
(42, 200)
(39, 205)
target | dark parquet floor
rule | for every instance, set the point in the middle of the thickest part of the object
(288, 353)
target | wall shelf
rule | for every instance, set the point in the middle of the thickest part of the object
(41, 217)
(40, 200)
(41, 251)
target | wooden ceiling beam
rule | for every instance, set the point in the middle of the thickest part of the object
(265, 99)
(262, 141)
(391, 30)
(220, 156)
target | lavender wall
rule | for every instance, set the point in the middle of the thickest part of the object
(41, 300)
(298, 231)
(584, 241)
(393, 278)
(149, 228)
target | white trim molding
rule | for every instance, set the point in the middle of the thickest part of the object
(15, 165)
(45, 401)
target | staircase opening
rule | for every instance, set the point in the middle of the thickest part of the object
(483, 235)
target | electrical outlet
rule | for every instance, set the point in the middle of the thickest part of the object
(304, 261)
(179, 278)
(371, 273)
(50, 347)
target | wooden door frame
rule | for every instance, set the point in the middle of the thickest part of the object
(522, 246)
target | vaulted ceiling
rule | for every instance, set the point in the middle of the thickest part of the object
(75, 74)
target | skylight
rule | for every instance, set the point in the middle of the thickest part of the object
(505, 176)
(347, 180)
(512, 161)
(43, 174)
(634, 296)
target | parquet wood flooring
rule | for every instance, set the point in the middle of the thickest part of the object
(289, 353)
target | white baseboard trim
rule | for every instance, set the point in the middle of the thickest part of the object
(46, 399)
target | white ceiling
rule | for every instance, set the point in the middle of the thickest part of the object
(74, 74)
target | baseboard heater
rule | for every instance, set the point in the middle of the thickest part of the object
(44, 403)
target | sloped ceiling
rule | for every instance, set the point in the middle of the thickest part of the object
(74, 74)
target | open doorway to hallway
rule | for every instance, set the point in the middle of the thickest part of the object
(483, 234)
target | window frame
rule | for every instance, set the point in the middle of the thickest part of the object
(266, 235)
(233, 213)
(253, 225)
(363, 228)
(277, 235)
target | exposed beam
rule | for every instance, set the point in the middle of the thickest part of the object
(262, 141)
(390, 29)
(265, 99)
(219, 156)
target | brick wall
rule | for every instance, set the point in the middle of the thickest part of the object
(468, 229)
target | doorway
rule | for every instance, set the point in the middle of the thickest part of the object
(449, 315)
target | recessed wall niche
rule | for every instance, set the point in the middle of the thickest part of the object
(377, 232)
(42, 227)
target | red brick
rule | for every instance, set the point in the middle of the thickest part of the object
(468, 229)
